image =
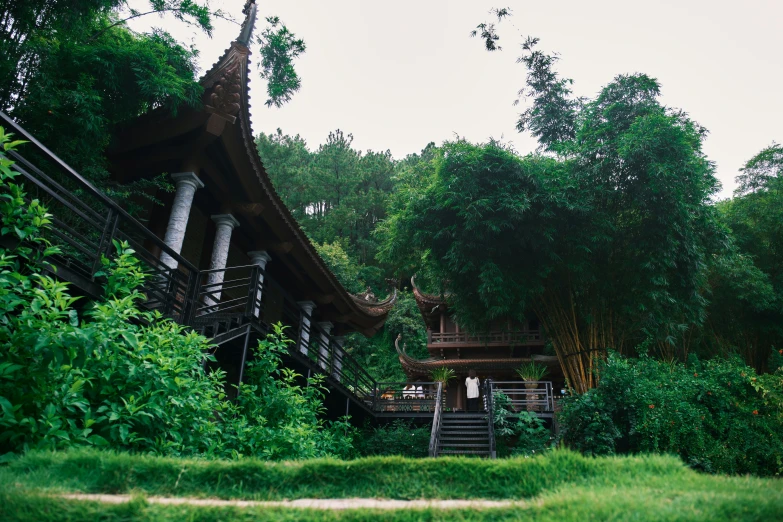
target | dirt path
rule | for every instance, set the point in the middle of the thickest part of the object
(310, 503)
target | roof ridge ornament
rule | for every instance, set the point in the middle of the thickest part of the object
(246, 33)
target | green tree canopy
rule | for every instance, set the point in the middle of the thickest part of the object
(606, 241)
(746, 313)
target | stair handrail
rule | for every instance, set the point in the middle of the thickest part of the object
(94, 192)
(488, 393)
(435, 436)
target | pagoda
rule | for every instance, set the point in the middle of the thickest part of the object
(494, 354)
(223, 255)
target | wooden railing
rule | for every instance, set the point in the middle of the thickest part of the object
(239, 292)
(436, 418)
(328, 357)
(244, 293)
(500, 338)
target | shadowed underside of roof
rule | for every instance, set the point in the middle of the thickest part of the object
(223, 124)
(422, 367)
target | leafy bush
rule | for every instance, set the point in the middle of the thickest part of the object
(275, 418)
(398, 438)
(518, 433)
(718, 415)
(126, 378)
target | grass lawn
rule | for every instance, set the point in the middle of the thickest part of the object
(559, 486)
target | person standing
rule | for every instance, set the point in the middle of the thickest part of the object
(472, 383)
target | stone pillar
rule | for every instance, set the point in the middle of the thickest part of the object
(337, 358)
(307, 308)
(225, 224)
(323, 348)
(259, 258)
(187, 183)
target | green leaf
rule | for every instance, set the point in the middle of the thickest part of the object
(8, 408)
(131, 339)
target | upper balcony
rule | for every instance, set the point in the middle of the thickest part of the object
(492, 338)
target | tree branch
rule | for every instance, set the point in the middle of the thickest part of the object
(137, 15)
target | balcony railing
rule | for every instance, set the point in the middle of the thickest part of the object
(401, 397)
(496, 338)
(536, 398)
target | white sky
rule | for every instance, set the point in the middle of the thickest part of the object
(401, 74)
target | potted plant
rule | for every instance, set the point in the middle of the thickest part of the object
(443, 375)
(531, 373)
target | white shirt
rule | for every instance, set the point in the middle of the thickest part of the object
(473, 387)
(419, 392)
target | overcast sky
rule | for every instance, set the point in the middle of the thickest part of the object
(400, 74)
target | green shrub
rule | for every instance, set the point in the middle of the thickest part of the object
(275, 418)
(398, 438)
(518, 433)
(718, 415)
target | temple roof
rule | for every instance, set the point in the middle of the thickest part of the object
(225, 117)
(430, 305)
(415, 368)
(228, 80)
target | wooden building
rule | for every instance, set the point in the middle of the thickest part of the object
(495, 354)
(226, 256)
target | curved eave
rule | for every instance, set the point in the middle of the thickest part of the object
(376, 308)
(430, 305)
(366, 318)
(424, 367)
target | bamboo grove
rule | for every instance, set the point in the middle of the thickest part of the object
(608, 234)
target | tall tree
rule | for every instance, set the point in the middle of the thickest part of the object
(606, 242)
(32, 29)
(746, 313)
(70, 71)
(336, 191)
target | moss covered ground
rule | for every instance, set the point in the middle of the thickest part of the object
(559, 486)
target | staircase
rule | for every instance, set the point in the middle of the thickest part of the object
(221, 328)
(464, 434)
